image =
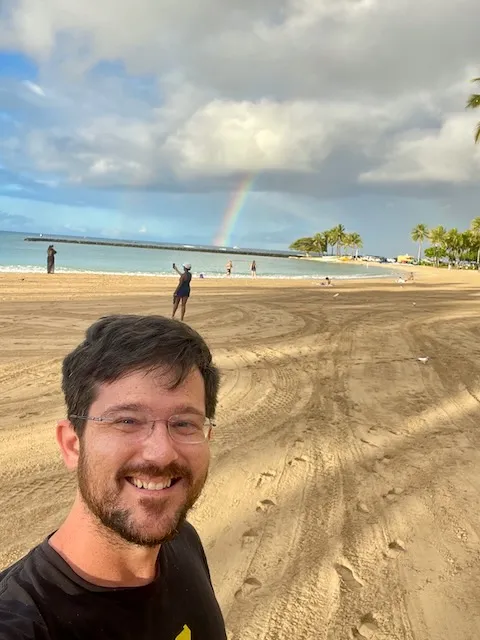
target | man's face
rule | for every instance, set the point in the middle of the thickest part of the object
(111, 462)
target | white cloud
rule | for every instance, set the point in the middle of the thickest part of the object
(323, 94)
(34, 88)
(445, 155)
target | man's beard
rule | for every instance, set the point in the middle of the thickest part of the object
(121, 521)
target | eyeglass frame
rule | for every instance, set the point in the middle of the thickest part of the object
(207, 426)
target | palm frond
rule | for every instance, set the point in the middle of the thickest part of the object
(477, 133)
(473, 101)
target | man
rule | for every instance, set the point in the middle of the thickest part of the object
(182, 292)
(141, 392)
(51, 259)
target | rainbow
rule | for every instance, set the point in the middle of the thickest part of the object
(232, 211)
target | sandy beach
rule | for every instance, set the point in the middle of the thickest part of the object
(344, 493)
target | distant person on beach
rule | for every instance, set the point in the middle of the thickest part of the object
(253, 269)
(51, 259)
(182, 292)
(229, 268)
(141, 393)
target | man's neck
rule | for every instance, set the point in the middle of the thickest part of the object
(98, 555)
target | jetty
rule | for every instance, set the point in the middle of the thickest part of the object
(170, 247)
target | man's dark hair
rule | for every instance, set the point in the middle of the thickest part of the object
(119, 344)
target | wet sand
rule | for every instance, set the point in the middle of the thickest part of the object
(343, 499)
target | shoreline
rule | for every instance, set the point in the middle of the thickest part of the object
(62, 271)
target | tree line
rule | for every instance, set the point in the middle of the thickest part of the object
(452, 244)
(336, 238)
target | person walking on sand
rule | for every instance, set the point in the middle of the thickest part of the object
(141, 394)
(253, 269)
(182, 292)
(51, 259)
(229, 268)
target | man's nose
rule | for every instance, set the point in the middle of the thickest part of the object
(159, 446)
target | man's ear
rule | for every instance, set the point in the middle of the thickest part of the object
(69, 444)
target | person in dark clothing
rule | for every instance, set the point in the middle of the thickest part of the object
(182, 292)
(51, 259)
(253, 269)
(141, 394)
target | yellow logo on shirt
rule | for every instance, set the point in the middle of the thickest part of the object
(185, 634)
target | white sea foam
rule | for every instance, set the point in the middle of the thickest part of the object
(207, 275)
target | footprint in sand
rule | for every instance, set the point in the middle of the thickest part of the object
(266, 476)
(362, 507)
(249, 536)
(379, 463)
(299, 441)
(348, 578)
(395, 548)
(393, 494)
(367, 629)
(298, 459)
(248, 587)
(265, 505)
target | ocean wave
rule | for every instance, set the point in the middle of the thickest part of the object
(207, 275)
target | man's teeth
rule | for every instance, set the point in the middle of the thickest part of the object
(152, 486)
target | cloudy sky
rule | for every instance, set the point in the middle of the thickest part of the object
(141, 119)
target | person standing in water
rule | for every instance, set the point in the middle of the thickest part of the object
(182, 292)
(253, 269)
(51, 259)
(229, 268)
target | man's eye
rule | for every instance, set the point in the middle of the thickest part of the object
(185, 425)
(127, 422)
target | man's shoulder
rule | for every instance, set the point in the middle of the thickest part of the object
(20, 618)
(189, 545)
(13, 576)
(20, 621)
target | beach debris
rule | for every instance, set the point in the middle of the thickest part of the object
(414, 304)
(423, 360)
(336, 295)
(362, 507)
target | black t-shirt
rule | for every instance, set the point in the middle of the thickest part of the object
(42, 598)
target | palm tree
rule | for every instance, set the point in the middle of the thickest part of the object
(475, 231)
(338, 233)
(356, 242)
(303, 244)
(320, 242)
(329, 239)
(420, 234)
(437, 238)
(455, 244)
(332, 237)
(473, 102)
(347, 242)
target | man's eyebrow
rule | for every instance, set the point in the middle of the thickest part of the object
(136, 406)
(126, 406)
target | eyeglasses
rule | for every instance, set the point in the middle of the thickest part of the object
(184, 429)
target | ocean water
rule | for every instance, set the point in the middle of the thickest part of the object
(16, 255)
